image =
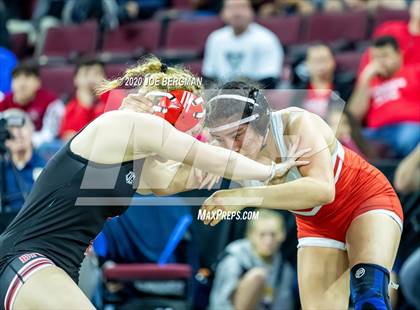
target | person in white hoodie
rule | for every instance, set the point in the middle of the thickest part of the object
(243, 48)
(251, 272)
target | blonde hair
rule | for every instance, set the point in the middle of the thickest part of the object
(149, 72)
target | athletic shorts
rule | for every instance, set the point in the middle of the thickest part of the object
(16, 273)
(360, 188)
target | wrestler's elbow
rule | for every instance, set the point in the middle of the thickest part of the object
(325, 192)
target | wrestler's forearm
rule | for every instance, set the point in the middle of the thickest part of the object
(179, 182)
(226, 163)
(300, 194)
(167, 142)
(359, 101)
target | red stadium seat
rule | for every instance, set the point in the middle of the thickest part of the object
(383, 15)
(191, 34)
(130, 37)
(179, 273)
(148, 272)
(181, 4)
(348, 61)
(287, 28)
(279, 98)
(115, 70)
(195, 67)
(59, 79)
(63, 41)
(329, 27)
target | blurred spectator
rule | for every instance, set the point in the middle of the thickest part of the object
(43, 107)
(367, 5)
(372, 5)
(387, 96)
(410, 279)
(79, 11)
(206, 5)
(51, 8)
(7, 64)
(252, 273)
(134, 9)
(128, 10)
(322, 82)
(286, 7)
(23, 164)
(407, 176)
(85, 106)
(347, 131)
(242, 48)
(407, 180)
(17, 9)
(406, 34)
(4, 34)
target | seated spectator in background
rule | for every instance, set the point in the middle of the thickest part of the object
(407, 176)
(373, 5)
(129, 10)
(347, 131)
(252, 273)
(323, 84)
(85, 106)
(7, 64)
(43, 107)
(4, 34)
(209, 6)
(50, 8)
(387, 96)
(80, 11)
(242, 48)
(286, 7)
(407, 181)
(406, 34)
(23, 164)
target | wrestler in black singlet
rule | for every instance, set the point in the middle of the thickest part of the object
(52, 224)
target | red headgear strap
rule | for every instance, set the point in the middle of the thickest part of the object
(181, 108)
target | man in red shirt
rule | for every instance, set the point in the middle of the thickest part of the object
(406, 34)
(387, 98)
(85, 106)
(42, 106)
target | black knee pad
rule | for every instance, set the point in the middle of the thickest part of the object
(369, 287)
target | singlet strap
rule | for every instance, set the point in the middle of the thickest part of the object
(278, 130)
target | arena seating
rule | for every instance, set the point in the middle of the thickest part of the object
(59, 79)
(330, 27)
(383, 15)
(286, 28)
(64, 41)
(130, 37)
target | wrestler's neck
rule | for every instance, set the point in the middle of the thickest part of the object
(269, 152)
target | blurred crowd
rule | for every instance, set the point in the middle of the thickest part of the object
(366, 86)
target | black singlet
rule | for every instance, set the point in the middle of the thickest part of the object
(67, 207)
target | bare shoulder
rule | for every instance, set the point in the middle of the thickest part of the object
(292, 116)
(300, 120)
(107, 139)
